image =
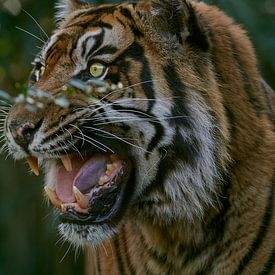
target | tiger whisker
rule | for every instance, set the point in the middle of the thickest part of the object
(66, 253)
(4, 148)
(145, 176)
(77, 128)
(29, 33)
(118, 90)
(131, 119)
(92, 140)
(128, 87)
(85, 139)
(110, 137)
(147, 99)
(121, 111)
(65, 147)
(71, 143)
(5, 103)
(117, 137)
(35, 21)
(125, 88)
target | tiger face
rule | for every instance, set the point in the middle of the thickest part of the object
(153, 147)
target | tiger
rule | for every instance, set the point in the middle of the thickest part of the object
(172, 169)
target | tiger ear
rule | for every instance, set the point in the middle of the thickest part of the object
(65, 7)
(171, 19)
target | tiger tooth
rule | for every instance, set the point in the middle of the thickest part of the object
(102, 180)
(63, 207)
(67, 163)
(81, 199)
(33, 163)
(109, 167)
(53, 197)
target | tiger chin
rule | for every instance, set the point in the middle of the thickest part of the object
(171, 171)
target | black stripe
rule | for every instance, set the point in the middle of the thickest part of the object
(121, 22)
(249, 85)
(177, 88)
(159, 129)
(156, 138)
(165, 166)
(84, 45)
(99, 11)
(136, 52)
(98, 42)
(232, 123)
(73, 47)
(83, 24)
(108, 49)
(157, 256)
(90, 24)
(102, 10)
(132, 25)
(98, 267)
(125, 12)
(216, 228)
(269, 264)
(261, 234)
(101, 24)
(126, 252)
(117, 253)
(53, 49)
(186, 150)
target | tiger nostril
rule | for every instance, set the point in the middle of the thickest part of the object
(23, 132)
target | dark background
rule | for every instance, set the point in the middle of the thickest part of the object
(28, 235)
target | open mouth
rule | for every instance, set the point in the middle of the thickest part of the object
(90, 189)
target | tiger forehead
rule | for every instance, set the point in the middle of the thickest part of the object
(103, 16)
(84, 30)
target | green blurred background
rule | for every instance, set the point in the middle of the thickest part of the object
(28, 236)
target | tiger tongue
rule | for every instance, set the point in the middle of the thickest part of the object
(84, 175)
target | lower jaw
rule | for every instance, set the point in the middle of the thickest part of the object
(87, 235)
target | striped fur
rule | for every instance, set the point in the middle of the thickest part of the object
(199, 122)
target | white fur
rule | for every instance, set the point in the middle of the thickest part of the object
(63, 8)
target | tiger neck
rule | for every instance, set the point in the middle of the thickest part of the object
(164, 250)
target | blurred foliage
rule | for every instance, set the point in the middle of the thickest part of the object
(28, 232)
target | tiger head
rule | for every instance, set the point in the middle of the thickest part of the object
(149, 145)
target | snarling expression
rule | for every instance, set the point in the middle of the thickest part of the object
(103, 152)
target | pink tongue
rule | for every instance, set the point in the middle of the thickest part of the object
(84, 176)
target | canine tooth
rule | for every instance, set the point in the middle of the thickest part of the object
(102, 180)
(67, 163)
(81, 199)
(53, 197)
(33, 163)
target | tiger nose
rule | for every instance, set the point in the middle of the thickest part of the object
(23, 132)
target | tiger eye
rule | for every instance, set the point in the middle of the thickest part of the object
(97, 70)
